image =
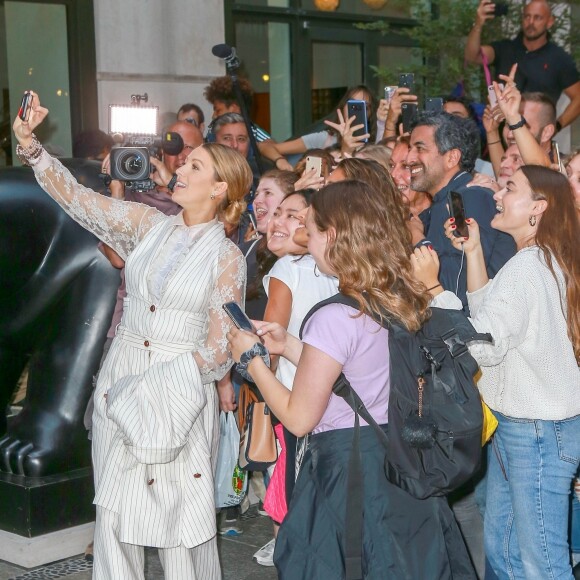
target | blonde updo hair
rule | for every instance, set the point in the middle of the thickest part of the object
(232, 168)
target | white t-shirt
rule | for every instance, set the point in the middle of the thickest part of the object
(307, 289)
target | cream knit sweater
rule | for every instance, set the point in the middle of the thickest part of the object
(529, 372)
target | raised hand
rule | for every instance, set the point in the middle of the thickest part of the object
(473, 242)
(485, 12)
(509, 98)
(23, 129)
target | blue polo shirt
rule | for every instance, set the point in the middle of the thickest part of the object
(549, 69)
(479, 204)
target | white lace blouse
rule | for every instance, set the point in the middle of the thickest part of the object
(122, 225)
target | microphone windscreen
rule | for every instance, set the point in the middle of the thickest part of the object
(172, 143)
(221, 50)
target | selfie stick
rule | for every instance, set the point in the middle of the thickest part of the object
(232, 62)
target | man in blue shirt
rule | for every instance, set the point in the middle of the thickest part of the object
(442, 154)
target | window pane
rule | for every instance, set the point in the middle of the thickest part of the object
(28, 29)
(265, 53)
(330, 81)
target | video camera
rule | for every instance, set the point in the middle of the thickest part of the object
(135, 127)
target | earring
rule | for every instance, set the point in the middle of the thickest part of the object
(532, 220)
(212, 196)
(316, 271)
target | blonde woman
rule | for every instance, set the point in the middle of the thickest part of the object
(154, 424)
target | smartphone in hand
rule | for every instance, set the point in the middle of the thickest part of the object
(407, 80)
(25, 106)
(457, 211)
(358, 109)
(409, 114)
(433, 104)
(313, 162)
(238, 316)
(555, 157)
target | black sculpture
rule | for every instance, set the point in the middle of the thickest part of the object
(57, 293)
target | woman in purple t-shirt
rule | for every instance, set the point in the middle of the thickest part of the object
(359, 235)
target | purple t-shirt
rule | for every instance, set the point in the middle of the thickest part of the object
(361, 346)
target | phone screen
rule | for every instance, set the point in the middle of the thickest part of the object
(358, 109)
(25, 106)
(457, 211)
(238, 316)
(409, 114)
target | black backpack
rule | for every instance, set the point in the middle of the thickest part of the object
(435, 414)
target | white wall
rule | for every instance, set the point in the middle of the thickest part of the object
(158, 47)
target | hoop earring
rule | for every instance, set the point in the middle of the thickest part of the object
(316, 272)
(532, 220)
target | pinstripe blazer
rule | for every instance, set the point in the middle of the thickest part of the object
(155, 419)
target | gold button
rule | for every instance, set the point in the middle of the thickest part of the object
(197, 475)
(146, 343)
(150, 482)
(152, 307)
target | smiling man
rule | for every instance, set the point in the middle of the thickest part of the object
(441, 156)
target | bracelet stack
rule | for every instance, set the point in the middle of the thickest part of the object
(30, 155)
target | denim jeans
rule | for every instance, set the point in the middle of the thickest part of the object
(528, 497)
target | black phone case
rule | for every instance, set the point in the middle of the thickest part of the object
(409, 115)
(359, 111)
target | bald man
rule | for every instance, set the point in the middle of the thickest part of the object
(542, 65)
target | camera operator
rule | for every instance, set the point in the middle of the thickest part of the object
(543, 66)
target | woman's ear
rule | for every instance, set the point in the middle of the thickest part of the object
(539, 207)
(219, 189)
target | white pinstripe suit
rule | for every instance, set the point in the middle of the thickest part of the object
(155, 432)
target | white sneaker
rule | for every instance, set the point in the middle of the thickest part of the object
(265, 555)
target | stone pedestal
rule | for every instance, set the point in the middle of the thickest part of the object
(44, 519)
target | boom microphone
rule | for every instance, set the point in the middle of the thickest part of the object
(227, 54)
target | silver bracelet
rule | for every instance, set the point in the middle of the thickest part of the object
(30, 155)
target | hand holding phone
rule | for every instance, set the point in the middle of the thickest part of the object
(239, 317)
(25, 106)
(313, 162)
(358, 110)
(407, 80)
(457, 211)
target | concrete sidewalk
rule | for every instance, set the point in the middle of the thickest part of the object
(235, 555)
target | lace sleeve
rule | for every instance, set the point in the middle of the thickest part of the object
(214, 359)
(120, 224)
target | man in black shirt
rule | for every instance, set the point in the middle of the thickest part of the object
(542, 65)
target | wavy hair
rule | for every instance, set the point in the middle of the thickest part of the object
(369, 247)
(231, 167)
(557, 236)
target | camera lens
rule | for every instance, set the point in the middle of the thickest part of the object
(130, 163)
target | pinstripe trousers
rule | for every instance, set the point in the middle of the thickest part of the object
(115, 560)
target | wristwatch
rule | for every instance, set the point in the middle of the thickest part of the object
(258, 349)
(517, 125)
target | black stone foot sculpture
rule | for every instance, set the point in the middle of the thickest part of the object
(56, 301)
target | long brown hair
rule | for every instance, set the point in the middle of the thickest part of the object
(370, 250)
(557, 236)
